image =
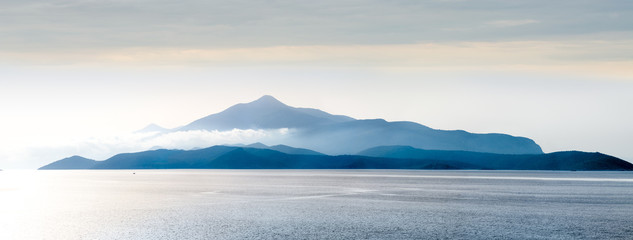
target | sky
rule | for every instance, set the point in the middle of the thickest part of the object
(80, 76)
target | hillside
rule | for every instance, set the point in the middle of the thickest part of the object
(392, 157)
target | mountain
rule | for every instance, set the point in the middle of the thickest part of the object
(74, 162)
(394, 157)
(285, 149)
(568, 160)
(152, 128)
(354, 136)
(292, 150)
(335, 134)
(264, 113)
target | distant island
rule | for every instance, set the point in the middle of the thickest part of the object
(324, 141)
(261, 156)
(337, 134)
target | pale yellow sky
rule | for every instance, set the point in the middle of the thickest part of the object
(599, 58)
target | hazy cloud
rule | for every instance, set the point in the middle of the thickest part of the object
(512, 23)
(601, 58)
(101, 148)
(73, 24)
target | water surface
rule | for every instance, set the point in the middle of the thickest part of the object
(336, 204)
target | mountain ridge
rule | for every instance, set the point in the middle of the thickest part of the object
(384, 157)
(152, 127)
(338, 134)
(264, 113)
(284, 149)
(73, 162)
(563, 160)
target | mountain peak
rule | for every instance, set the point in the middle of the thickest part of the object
(267, 101)
(257, 145)
(264, 113)
(151, 128)
(74, 162)
(267, 98)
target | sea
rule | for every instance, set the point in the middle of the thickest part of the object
(315, 204)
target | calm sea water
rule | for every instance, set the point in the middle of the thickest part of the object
(315, 204)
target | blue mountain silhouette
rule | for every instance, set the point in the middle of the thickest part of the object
(387, 157)
(264, 113)
(336, 134)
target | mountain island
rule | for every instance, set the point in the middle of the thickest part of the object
(320, 140)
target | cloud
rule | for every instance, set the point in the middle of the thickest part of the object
(64, 25)
(101, 148)
(601, 58)
(185, 139)
(203, 138)
(512, 23)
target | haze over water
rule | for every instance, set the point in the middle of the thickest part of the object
(338, 204)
